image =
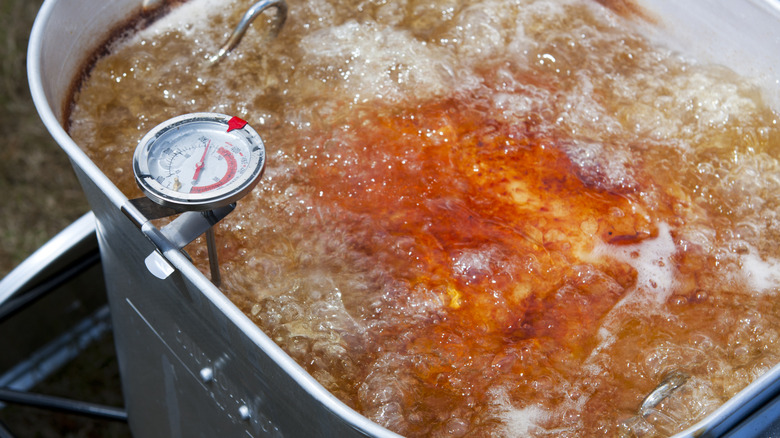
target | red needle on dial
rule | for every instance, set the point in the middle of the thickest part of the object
(201, 163)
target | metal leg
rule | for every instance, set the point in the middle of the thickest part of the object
(16, 296)
(16, 304)
(4, 432)
(211, 243)
(63, 405)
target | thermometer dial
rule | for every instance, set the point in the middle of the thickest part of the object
(199, 161)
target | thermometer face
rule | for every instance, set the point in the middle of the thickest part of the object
(199, 161)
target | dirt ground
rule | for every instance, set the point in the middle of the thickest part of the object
(39, 196)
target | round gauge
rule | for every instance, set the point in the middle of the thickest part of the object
(199, 161)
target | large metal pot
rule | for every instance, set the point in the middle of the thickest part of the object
(192, 364)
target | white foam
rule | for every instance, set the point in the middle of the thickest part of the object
(655, 279)
(517, 421)
(523, 421)
(610, 169)
(479, 33)
(581, 112)
(606, 338)
(652, 260)
(193, 18)
(714, 102)
(760, 275)
(367, 61)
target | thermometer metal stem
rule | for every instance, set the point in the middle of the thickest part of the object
(200, 162)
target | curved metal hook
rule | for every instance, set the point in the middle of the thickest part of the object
(149, 5)
(247, 19)
(671, 382)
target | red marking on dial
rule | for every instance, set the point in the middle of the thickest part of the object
(201, 163)
(231, 172)
(236, 123)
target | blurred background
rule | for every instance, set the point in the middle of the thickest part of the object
(39, 196)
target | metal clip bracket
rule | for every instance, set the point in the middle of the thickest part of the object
(186, 228)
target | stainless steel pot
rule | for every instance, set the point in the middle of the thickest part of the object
(192, 364)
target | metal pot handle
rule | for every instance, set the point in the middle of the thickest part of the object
(670, 383)
(247, 19)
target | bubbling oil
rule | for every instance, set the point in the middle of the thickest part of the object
(478, 218)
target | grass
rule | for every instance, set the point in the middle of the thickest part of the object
(39, 194)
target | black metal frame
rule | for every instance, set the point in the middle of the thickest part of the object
(22, 300)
